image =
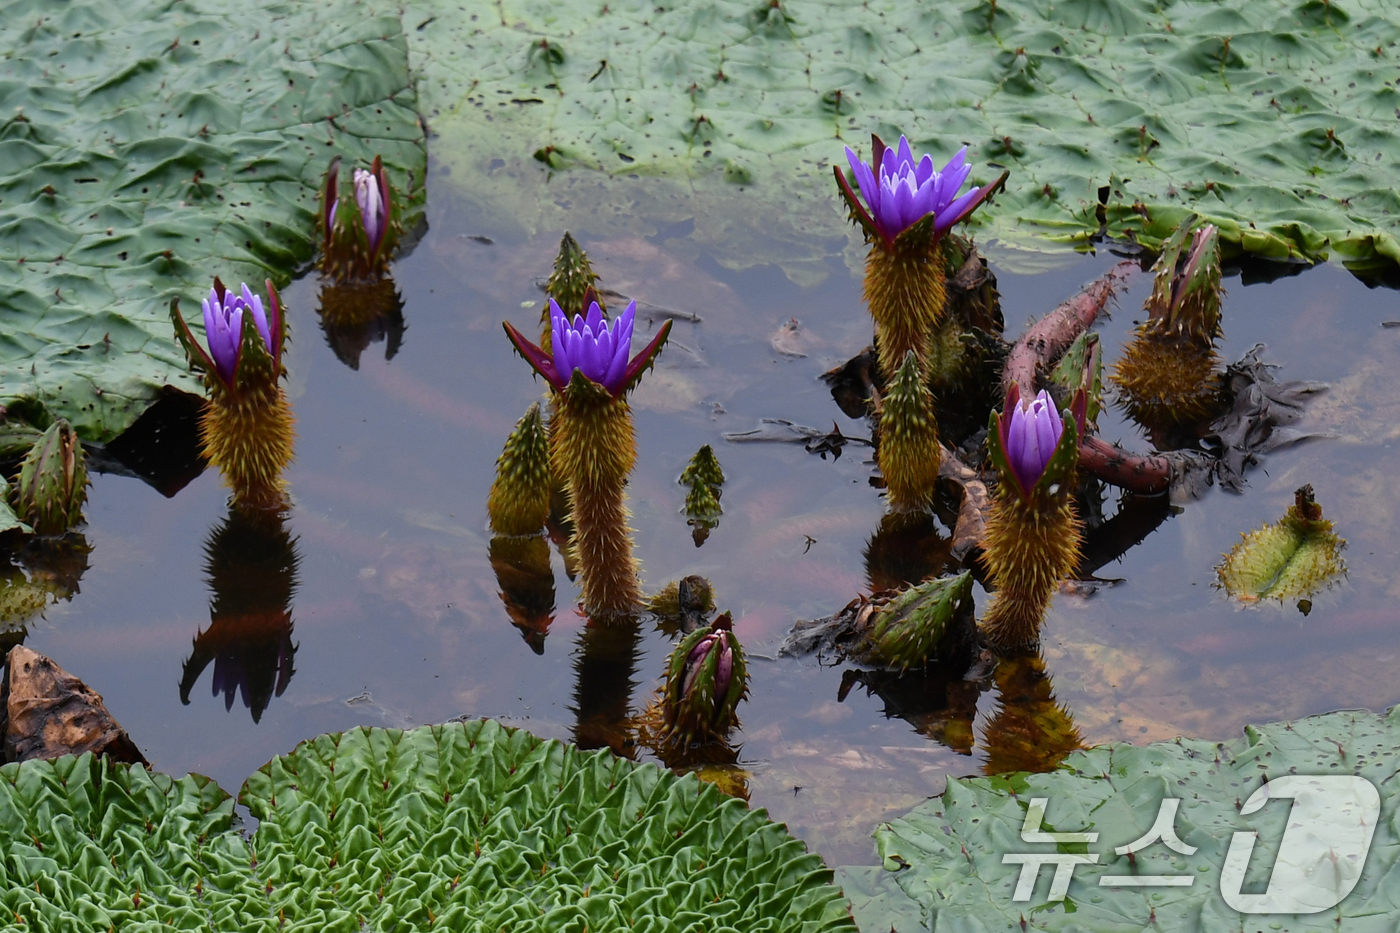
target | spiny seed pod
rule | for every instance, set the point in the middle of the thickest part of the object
(703, 468)
(1170, 373)
(53, 482)
(706, 678)
(904, 632)
(1294, 557)
(909, 455)
(1081, 367)
(1032, 538)
(519, 499)
(571, 279)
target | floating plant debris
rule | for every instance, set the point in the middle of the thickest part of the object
(1294, 557)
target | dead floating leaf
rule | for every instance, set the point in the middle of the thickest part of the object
(790, 339)
(50, 713)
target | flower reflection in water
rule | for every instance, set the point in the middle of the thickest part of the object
(252, 567)
(357, 314)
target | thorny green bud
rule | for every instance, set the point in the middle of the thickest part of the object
(904, 632)
(705, 679)
(573, 276)
(519, 500)
(703, 468)
(52, 482)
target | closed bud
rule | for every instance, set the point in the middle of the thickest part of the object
(706, 678)
(53, 482)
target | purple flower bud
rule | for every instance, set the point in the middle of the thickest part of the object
(372, 208)
(695, 661)
(1031, 433)
(900, 191)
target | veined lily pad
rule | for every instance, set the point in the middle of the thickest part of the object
(470, 827)
(1274, 119)
(949, 851)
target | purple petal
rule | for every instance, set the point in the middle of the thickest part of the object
(724, 671)
(865, 178)
(335, 206)
(606, 342)
(594, 320)
(1015, 437)
(254, 303)
(924, 171)
(625, 323)
(889, 165)
(903, 207)
(906, 157)
(953, 212)
(956, 162)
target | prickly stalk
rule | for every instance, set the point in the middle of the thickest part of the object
(906, 289)
(519, 500)
(247, 434)
(1030, 547)
(909, 453)
(594, 450)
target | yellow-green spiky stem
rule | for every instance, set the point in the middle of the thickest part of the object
(594, 450)
(519, 499)
(247, 433)
(1030, 546)
(906, 289)
(909, 453)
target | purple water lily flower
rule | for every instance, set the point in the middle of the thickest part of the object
(223, 327)
(372, 197)
(900, 192)
(1030, 433)
(592, 346)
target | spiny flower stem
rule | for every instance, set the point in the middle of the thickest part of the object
(594, 450)
(1030, 547)
(906, 289)
(247, 434)
(909, 453)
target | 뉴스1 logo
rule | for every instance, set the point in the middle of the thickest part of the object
(1320, 858)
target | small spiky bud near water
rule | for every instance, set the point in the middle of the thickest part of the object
(359, 233)
(519, 500)
(247, 427)
(909, 454)
(53, 482)
(1033, 535)
(592, 447)
(1170, 373)
(911, 206)
(1294, 557)
(705, 679)
(704, 477)
(905, 631)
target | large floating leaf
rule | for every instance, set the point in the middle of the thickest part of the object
(464, 827)
(1276, 119)
(950, 849)
(148, 146)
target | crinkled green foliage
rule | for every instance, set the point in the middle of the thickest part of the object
(147, 146)
(953, 844)
(1275, 119)
(464, 827)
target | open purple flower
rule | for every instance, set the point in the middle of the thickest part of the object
(591, 345)
(901, 191)
(1030, 434)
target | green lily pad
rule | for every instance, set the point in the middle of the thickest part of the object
(471, 827)
(149, 146)
(949, 852)
(1274, 119)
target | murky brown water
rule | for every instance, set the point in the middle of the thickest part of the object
(396, 618)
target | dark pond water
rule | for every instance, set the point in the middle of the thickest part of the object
(396, 618)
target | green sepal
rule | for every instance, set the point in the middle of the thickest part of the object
(1081, 367)
(859, 215)
(53, 480)
(1186, 289)
(905, 631)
